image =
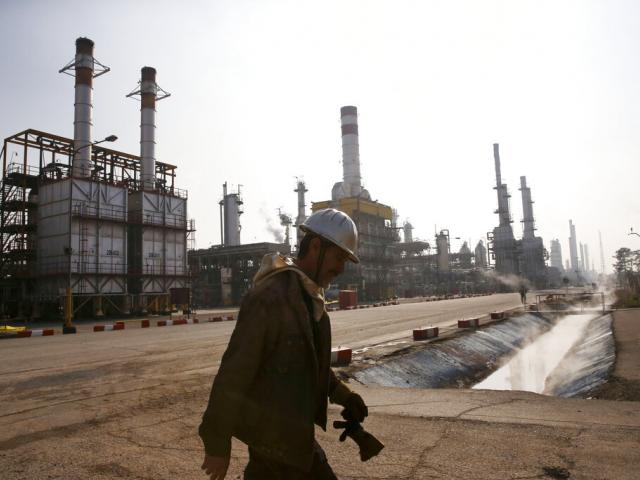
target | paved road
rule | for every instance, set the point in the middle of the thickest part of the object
(126, 404)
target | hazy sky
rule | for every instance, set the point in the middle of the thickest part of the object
(257, 88)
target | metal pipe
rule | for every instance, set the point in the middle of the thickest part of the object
(352, 182)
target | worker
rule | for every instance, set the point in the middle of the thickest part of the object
(523, 293)
(275, 376)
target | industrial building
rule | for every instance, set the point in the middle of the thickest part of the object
(526, 257)
(502, 245)
(97, 230)
(533, 253)
(376, 275)
(388, 266)
(222, 274)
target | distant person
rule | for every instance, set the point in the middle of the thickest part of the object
(523, 294)
(275, 377)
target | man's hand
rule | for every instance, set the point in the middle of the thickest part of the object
(355, 409)
(215, 467)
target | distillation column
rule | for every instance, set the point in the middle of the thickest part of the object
(301, 189)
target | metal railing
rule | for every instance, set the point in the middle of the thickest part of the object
(111, 212)
(159, 219)
(19, 168)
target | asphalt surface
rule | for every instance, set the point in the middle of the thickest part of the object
(126, 404)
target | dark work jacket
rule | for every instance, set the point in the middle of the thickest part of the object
(272, 386)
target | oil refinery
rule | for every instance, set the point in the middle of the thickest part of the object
(89, 231)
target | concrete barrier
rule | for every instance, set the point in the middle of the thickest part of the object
(497, 315)
(145, 324)
(469, 323)
(425, 333)
(45, 332)
(109, 328)
(340, 356)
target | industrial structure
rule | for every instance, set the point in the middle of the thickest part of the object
(389, 265)
(301, 189)
(502, 245)
(480, 255)
(526, 257)
(573, 249)
(376, 275)
(222, 274)
(532, 257)
(95, 229)
(555, 258)
(230, 211)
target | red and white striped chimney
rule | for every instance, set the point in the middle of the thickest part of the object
(84, 65)
(352, 182)
(148, 92)
(83, 114)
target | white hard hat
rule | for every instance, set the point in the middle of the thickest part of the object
(336, 227)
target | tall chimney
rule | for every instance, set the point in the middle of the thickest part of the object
(527, 210)
(352, 182)
(84, 66)
(302, 215)
(503, 194)
(148, 90)
(148, 94)
(573, 247)
(587, 264)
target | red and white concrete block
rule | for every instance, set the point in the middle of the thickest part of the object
(469, 323)
(497, 315)
(425, 333)
(44, 332)
(341, 356)
(109, 327)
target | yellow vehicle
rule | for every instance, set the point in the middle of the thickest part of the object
(9, 331)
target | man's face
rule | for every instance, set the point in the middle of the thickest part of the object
(332, 266)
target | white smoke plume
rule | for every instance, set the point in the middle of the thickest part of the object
(272, 227)
(510, 280)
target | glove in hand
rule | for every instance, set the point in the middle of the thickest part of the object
(355, 410)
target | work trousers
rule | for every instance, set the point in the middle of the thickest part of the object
(263, 468)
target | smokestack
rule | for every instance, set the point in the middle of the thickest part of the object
(573, 247)
(352, 182)
(302, 215)
(587, 264)
(148, 90)
(503, 194)
(601, 253)
(231, 211)
(408, 232)
(84, 66)
(582, 257)
(527, 210)
(496, 159)
(148, 127)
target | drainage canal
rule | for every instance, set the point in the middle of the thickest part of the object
(569, 355)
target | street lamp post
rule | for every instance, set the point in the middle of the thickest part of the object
(68, 304)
